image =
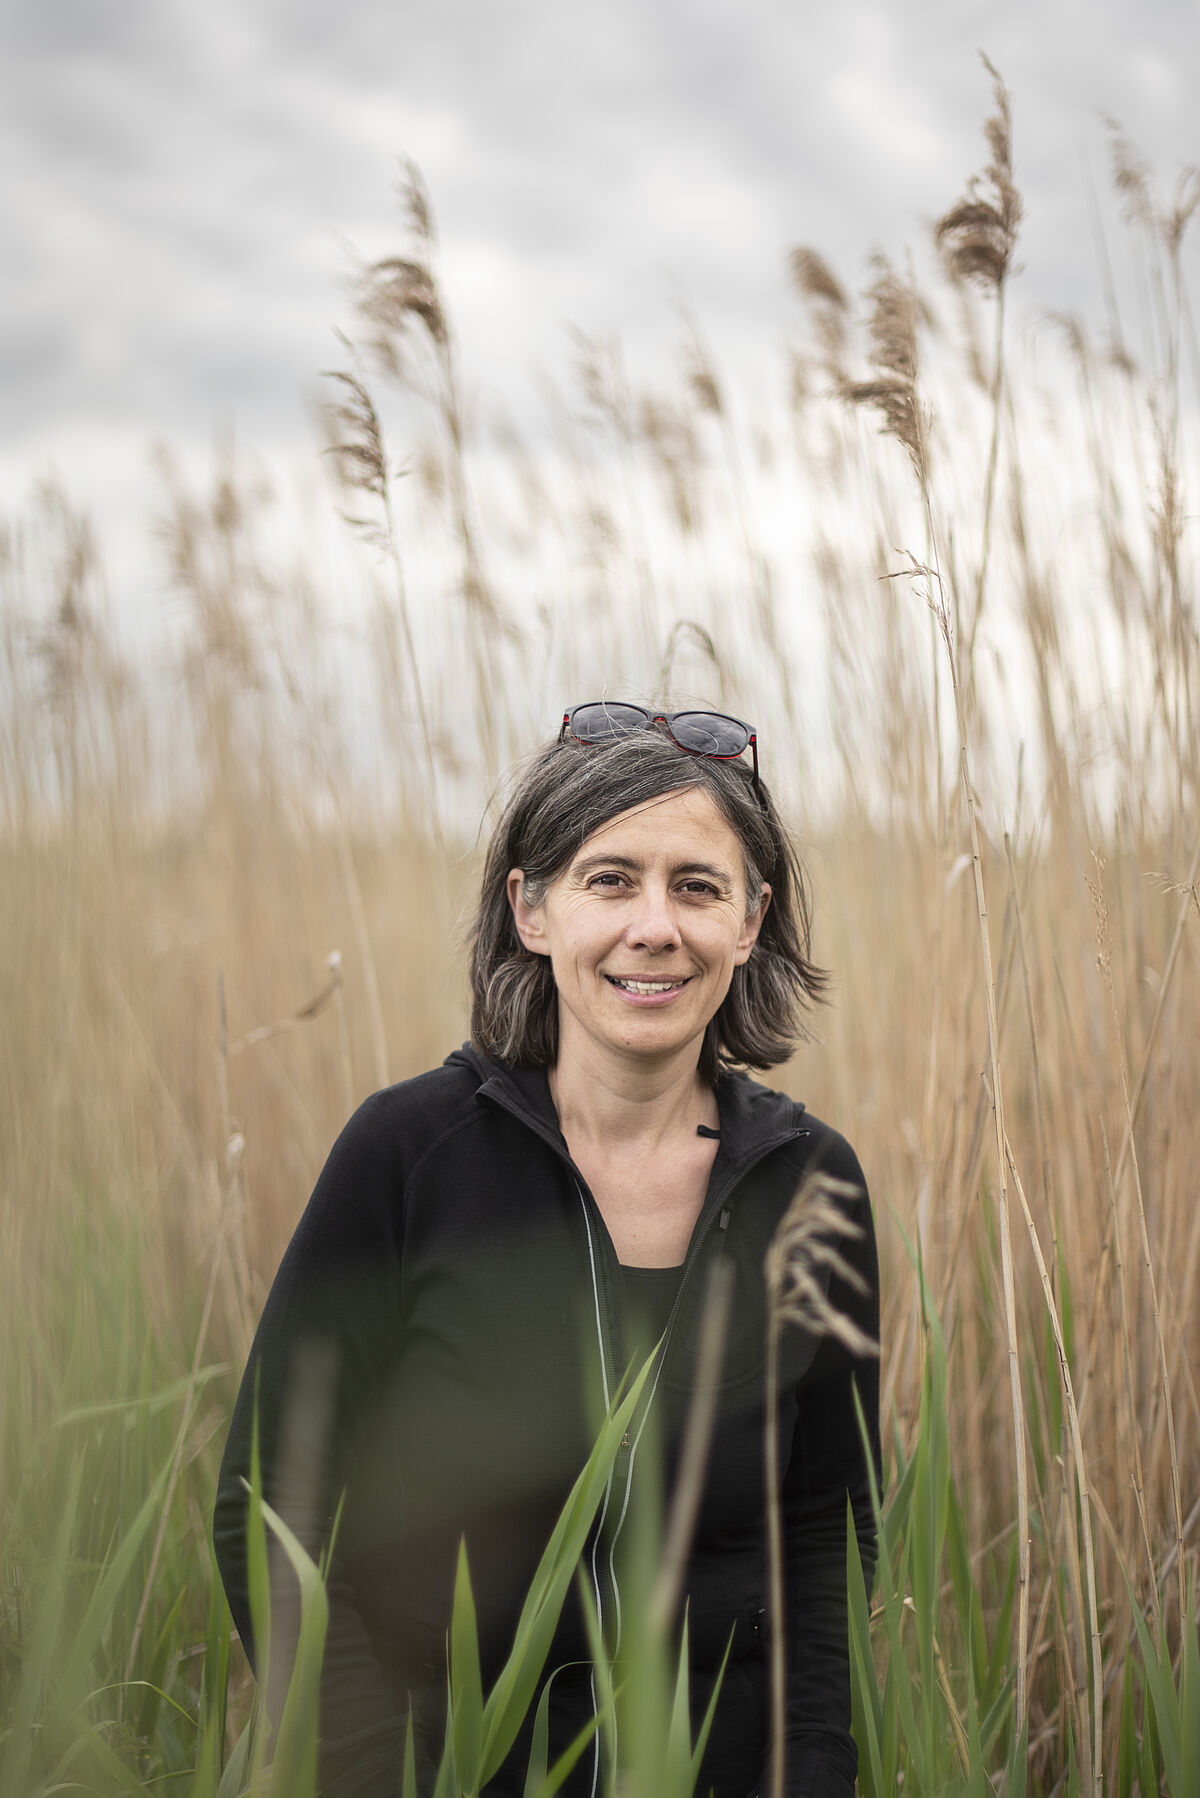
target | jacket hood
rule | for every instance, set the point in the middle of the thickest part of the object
(752, 1116)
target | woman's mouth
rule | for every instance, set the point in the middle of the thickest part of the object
(647, 987)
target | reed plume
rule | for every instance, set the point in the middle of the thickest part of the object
(978, 234)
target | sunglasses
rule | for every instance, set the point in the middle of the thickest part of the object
(712, 734)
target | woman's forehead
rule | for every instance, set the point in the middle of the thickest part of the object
(687, 820)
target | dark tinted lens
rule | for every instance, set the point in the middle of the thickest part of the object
(599, 723)
(709, 733)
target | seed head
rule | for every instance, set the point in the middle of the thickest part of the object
(978, 235)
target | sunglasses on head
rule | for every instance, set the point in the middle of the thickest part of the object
(712, 734)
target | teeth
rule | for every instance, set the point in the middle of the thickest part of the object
(648, 986)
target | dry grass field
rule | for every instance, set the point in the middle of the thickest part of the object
(949, 569)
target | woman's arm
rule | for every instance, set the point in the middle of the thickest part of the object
(828, 1466)
(327, 1334)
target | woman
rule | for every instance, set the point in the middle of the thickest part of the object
(489, 1243)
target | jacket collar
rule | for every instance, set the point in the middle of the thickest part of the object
(754, 1119)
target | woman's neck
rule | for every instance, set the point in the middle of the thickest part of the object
(611, 1103)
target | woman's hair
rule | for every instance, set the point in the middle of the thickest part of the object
(570, 790)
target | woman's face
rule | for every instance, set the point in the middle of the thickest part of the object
(645, 927)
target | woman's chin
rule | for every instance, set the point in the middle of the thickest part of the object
(656, 1037)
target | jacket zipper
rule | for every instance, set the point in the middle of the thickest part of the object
(617, 1494)
(620, 1480)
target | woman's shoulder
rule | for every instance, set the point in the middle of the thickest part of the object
(409, 1116)
(758, 1110)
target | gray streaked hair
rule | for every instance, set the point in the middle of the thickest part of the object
(568, 791)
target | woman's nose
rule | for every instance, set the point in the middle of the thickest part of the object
(653, 924)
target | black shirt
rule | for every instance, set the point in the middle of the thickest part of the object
(649, 1298)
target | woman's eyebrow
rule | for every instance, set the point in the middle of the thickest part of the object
(606, 861)
(709, 869)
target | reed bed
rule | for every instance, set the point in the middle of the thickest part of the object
(946, 567)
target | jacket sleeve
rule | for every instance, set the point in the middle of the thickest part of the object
(829, 1465)
(327, 1333)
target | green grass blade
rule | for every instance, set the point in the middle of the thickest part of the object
(865, 1697)
(294, 1763)
(539, 1746)
(606, 1697)
(101, 1605)
(409, 1788)
(1162, 1699)
(32, 1688)
(466, 1685)
(1189, 1697)
(238, 1767)
(93, 1745)
(706, 1722)
(551, 1780)
(511, 1696)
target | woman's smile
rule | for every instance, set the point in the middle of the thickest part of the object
(645, 991)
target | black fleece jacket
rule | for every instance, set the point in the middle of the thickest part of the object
(433, 1352)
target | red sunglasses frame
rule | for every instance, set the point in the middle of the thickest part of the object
(668, 718)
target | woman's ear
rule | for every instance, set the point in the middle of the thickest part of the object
(752, 926)
(527, 918)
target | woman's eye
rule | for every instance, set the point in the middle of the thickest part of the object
(701, 887)
(605, 880)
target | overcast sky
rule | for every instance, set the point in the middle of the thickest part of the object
(183, 184)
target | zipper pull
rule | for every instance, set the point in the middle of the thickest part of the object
(723, 1220)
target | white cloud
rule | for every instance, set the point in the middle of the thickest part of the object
(181, 181)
